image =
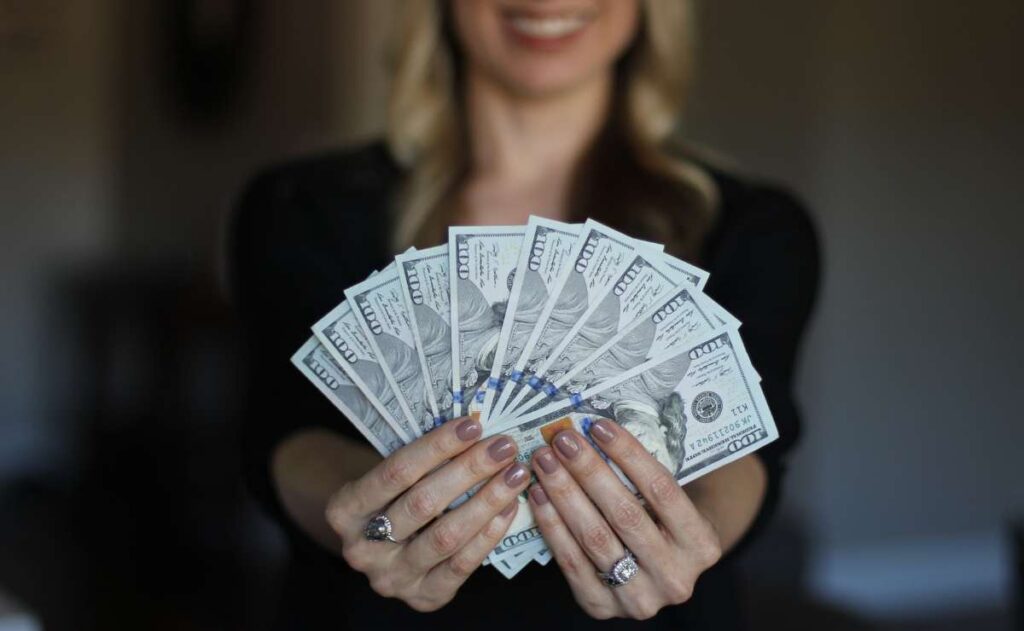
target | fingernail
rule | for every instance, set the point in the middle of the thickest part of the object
(515, 475)
(603, 431)
(538, 494)
(547, 461)
(501, 449)
(508, 510)
(566, 444)
(468, 430)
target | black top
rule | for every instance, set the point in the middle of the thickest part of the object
(307, 230)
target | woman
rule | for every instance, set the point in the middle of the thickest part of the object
(501, 109)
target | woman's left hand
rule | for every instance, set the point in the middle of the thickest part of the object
(589, 519)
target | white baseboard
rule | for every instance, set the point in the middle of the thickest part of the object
(14, 618)
(916, 576)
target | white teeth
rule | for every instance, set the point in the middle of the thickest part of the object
(549, 28)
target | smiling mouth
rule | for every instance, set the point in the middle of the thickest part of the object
(548, 27)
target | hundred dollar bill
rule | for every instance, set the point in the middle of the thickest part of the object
(482, 265)
(724, 317)
(688, 274)
(342, 335)
(317, 365)
(522, 539)
(646, 279)
(677, 318)
(598, 259)
(425, 283)
(694, 410)
(511, 564)
(542, 259)
(379, 304)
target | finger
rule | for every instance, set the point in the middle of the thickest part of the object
(655, 483)
(641, 596)
(429, 497)
(581, 574)
(445, 578)
(402, 469)
(620, 508)
(588, 526)
(449, 534)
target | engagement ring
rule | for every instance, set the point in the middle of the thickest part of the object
(622, 572)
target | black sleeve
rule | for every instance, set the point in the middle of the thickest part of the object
(285, 272)
(765, 266)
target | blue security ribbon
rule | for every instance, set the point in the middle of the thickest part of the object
(494, 383)
(535, 382)
(585, 424)
(439, 421)
(457, 396)
(576, 400)
(516, 376)
(550, 390)
(479, 396)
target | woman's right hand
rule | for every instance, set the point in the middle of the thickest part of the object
(435, 553)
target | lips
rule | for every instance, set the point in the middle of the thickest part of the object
(553, 27)
(547, 26)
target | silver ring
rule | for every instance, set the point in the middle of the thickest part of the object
(379, 529)
(622, 572)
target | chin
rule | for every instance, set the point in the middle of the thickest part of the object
(544, 79)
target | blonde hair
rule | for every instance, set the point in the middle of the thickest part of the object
(426, 135)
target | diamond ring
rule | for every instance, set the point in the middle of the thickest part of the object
(622, 572)
(379, 529)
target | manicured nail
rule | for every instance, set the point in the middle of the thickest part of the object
(468, 430)
(508, 510)
(547, 461)
(566, 444)
(538, 494)
(516, 475)
(502, 449)
(603, 431)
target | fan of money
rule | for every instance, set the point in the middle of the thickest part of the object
(534, 329)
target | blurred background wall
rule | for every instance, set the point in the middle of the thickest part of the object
(56, 193)
(899, 123)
